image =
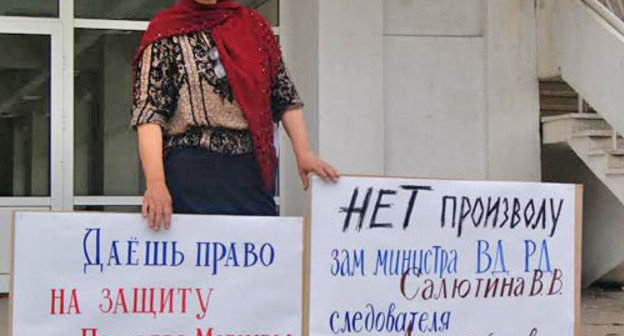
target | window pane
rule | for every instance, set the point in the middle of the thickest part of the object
(25, 115)
(146, 9)
(120, 9)
(268, 8)
(29, 7)
(105, 152)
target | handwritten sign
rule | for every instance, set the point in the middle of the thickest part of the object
(95, 274)
(400, 256)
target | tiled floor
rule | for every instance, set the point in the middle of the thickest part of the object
(602, 312)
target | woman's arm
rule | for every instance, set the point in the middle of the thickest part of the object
(153, 99)
(156, 200)
(307, 161)
(287, 108)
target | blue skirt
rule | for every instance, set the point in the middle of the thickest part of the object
(205, 182)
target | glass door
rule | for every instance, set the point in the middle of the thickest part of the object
(31, 118)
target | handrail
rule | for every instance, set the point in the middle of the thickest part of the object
(615, 6)
(611, 10)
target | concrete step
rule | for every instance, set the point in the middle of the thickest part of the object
(615, 161)
(546, 112)
(558, 93)
(603, 143)
(597, 153)
(615, 172)
(593, 133)
(591, 136)
(557, 97)
(595, 142)
(611, 160)
(611, 152)
(570, 108)
(569, 102)
(578, 116)
(554, 85)
(560, 128)
(549, 113)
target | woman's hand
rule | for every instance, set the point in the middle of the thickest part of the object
(157, 200)
(307, 163)
(157, 206)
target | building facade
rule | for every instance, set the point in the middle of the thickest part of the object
(440, 89)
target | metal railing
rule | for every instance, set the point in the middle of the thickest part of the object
(614, 6)
(610, 10)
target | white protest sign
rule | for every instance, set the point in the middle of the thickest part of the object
(102, 274)
(396, 256)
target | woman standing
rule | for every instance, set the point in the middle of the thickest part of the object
(209, 82)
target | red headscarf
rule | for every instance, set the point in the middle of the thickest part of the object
(249, 52)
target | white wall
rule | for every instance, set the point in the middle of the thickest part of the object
(461, 89)
(430, 88)
(435, 106)
(435, 102)
(434, 18)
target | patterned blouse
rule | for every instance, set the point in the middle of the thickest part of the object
(182, 86)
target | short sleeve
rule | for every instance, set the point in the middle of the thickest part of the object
(284, 95)
(154, 95)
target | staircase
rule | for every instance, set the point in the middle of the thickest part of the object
(583, 43)
(579, 146)
(586, 132)
(558, 98)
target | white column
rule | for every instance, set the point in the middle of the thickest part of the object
(547, 63)
(513, 95)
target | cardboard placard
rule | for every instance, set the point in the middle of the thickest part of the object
(109, 274)
(383, 256)
(396, 256)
